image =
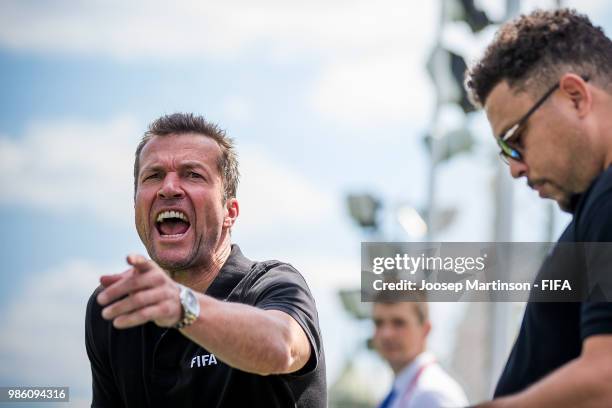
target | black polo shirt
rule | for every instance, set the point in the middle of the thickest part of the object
(149, 366)
(551, 334)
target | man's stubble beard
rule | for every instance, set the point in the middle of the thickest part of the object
(189, 263)
(582, 170)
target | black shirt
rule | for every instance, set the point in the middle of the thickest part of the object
(149, 366)
(551, 334)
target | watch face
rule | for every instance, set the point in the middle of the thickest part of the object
(191, 303)
(190, 306)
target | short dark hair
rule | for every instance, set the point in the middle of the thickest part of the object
(538, 48)
(183, 123)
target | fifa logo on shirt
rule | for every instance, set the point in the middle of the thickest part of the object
(203, 360)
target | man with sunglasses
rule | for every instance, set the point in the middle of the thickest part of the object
(545, 83)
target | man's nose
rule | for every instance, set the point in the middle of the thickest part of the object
(171, 187)
(384, 332)
(518, 168)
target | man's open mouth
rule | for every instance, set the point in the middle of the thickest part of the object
(172, 224)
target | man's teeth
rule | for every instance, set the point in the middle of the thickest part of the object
(171, 214)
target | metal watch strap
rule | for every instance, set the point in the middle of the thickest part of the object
(190, 311)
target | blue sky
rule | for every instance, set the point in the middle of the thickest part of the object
(323, 99)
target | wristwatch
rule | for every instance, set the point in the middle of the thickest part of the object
(190, 306)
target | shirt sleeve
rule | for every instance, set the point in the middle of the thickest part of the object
(105, 392)
(596, 233)
(283, 288)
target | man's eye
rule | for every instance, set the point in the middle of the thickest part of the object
(517, 140)
(195, 175)
(397, 323)
(151, 177)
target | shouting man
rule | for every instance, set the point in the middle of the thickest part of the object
(199, 324)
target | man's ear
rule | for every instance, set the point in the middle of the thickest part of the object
(427, 327)
(577, 90)
(231, 212)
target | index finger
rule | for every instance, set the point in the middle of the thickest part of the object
(139, 262)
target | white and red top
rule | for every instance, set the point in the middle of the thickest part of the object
(424, 384)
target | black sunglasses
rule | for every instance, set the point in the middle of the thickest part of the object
(508, 152)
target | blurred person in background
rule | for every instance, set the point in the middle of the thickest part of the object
(199, 324)
(545, 83)
(400, 337)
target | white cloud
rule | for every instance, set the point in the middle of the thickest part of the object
(189, 28)
(237, 108)
(329, 272)
(368, 52)
(270, 193)
(42, 341)
(372, 90)
(63, 166)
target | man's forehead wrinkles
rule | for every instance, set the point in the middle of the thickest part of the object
(192, 164)
(184, 158)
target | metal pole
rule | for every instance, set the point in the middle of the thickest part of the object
(504, 195)
(435, 144)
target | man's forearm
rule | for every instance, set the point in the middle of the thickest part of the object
(584, 382)
(244, 336)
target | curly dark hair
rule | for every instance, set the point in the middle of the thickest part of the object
(536, 49)
(184, 123)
